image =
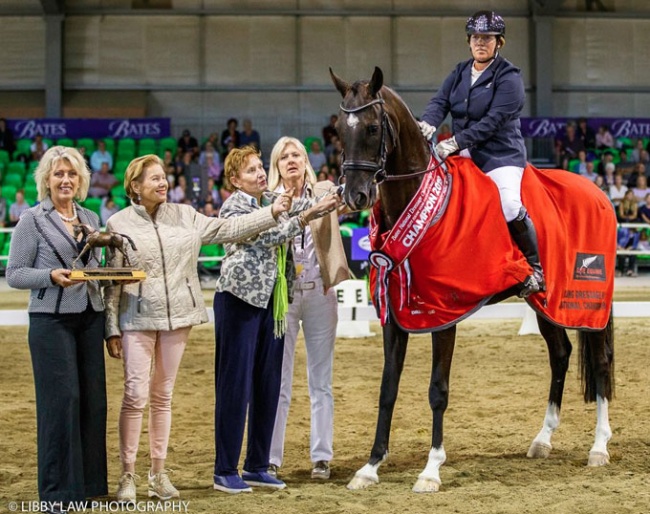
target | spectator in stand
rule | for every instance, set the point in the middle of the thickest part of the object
(645, 157)
(589, 171)
(168, 159)
(617, 190)
(249, 136)
(641, 189)
(444, 132)
(639, 171)
(213, 140)
(568, 146)
(636, 153)
(644, 210)
(604, 138)
(605, 158)
(582, 163)
(3, 210)
(316, 156)
(187, 143)
(608, 176)
(628, 209)
(626, 239)
(600, 183)
(229, 138)
(195, 176)
(329, 130)
(210, 211)
(84, 153)
(107, 209)
(38, 147)
(101, 156)
(334, 159)
(624, 166)
(213, 195)
(586, 134)
(101, 182)
(177, 190)
(17, 208)
(7, 141)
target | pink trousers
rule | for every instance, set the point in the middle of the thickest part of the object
(151, 362)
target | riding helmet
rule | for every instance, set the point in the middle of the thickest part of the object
(486, 22)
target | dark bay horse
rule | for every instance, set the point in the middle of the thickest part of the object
(385, 160)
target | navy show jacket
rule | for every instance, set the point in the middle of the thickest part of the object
(485, 116)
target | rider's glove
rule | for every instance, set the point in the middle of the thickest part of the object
(426, 129)
(446, 147)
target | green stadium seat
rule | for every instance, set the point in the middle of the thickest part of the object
(13, 179)
(167, 143)
(5, 158)
(121, 201)
(146, 146)
(88, 143)
(9, 193)
(215, 250)
(23, 147)
(31, 167)
(126, 144)
(5, 251)
(66, 141)
(16, 168)
(125, 154)
(93, 204)
(110, 145)
(118, 191)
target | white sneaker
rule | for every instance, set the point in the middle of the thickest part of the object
(126, 489)
(161, 487)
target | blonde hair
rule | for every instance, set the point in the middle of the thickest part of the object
(135, 170)
(235, 161)
(274, 171)
(50, 160)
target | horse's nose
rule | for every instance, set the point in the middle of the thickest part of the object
(359, 200)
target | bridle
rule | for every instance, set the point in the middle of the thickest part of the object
(378, 167)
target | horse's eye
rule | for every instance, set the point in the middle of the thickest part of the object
(373, 129)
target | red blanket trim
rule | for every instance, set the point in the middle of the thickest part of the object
(468, 256)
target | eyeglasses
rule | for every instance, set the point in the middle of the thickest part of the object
(482, 38)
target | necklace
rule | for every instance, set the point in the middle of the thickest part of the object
(71, 219)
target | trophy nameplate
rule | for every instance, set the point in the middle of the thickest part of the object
(108, 274)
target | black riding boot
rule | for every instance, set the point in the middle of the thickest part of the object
(523, 233)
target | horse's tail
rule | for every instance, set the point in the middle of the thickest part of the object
(130, 242)
(597, 362)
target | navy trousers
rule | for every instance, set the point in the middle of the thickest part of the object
(248, 371)
(67, 353)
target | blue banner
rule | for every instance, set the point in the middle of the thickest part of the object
(95, 128)
(360, 244)
(554, 127)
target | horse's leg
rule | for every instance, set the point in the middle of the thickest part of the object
(597, 374)
(443, 343)
(395, 342)
(559, 352)
(83, 251)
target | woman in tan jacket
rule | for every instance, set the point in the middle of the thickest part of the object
(320, 265)
(150, 321)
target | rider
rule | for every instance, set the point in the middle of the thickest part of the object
(485, 96)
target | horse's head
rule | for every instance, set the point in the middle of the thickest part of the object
(81, 228)
(364, 130)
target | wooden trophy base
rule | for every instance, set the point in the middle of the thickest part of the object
(133, 275)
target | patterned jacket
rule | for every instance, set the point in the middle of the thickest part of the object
(167, 250)
(40, 244)
(249, 269)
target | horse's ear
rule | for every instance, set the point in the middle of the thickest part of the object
(376, 81)
(342, 86)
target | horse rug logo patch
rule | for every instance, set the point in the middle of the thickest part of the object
(589, 266)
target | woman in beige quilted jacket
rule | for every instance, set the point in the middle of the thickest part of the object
(148, 323)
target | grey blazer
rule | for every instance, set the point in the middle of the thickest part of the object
(41, 243)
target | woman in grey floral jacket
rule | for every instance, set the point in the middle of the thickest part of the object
(250, 301)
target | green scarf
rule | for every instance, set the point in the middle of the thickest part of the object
(280, 294)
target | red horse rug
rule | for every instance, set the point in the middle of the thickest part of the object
(467, 255)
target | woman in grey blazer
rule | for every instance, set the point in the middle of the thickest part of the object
(66, 332)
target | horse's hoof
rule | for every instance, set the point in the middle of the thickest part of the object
(362, 482)
(598, 459)
(426, 485)
(539, 451)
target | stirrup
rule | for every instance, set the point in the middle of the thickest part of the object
(530, 286)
